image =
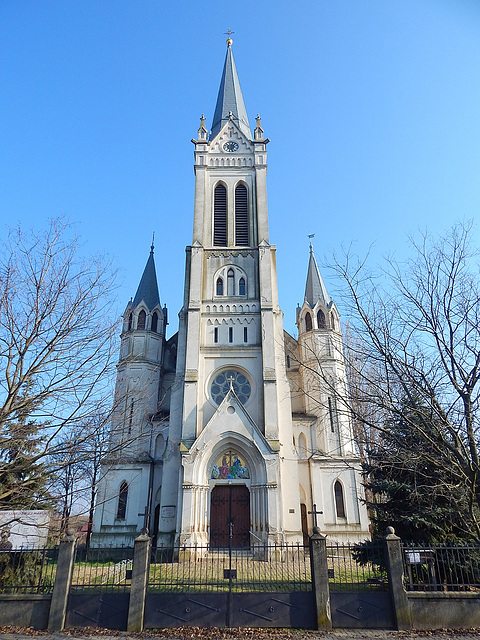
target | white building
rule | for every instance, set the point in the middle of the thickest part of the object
(231, 421)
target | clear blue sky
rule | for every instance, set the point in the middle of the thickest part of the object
(372, 108)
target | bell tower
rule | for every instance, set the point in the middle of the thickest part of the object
(231, 394)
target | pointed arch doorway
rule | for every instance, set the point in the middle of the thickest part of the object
(230, 512)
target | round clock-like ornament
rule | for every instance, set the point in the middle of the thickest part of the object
(230, 146)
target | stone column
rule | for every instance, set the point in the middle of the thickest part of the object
(321, 591)
(63, 580)
(400, 604)
(138, 590)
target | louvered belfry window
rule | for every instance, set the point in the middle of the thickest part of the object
(241, 216)
(220, 216)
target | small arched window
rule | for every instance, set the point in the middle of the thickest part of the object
(122, 501)
(155, 322)
(230, 282)
(241, 287)
(130, 321)
(142, 320)
(308, 322)
(339, 500)
(241, 216)
(332, 322)
(220, 287)
(220, 216)
(321, 322)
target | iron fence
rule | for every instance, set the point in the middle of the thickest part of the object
(102, 569)
(441, 567)
(357, 567)
(262, 568)
(28, 570)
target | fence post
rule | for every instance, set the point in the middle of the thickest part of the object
(138, 590)
(321, 590)
(63, 580)
(401, 606)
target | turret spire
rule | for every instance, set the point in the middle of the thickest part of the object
(230, 100)
(148, 287)
(315, 289)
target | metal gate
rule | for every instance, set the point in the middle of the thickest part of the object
(100, 589)
(264, 586)
(359, 597)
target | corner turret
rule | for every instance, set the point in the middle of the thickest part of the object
(318, 311)
(144, 312)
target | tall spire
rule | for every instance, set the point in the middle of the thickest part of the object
(315, 289)
(230, 100)
(148, 287)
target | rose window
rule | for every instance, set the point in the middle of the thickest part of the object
(221, 385)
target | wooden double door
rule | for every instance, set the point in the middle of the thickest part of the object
(230, 516)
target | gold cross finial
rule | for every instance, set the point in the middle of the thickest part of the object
(228, 33)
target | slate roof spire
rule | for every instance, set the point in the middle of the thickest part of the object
(230, 100)
(315, 289)
(148, 287)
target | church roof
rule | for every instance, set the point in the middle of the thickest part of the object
(148, 287)
(230, 98)
(315, 289)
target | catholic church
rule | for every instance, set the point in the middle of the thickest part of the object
(231, 431)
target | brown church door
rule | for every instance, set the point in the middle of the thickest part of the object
(230, 504)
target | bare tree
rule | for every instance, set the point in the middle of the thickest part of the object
(417, 344)
(56, 344)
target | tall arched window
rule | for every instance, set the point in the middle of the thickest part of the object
(130, 321)
(142, 319)
(339, 501)
(241, 287)
(321, 322)
(122, 501)
(241, 215)
(220, 287)
(332, 321)
(230, 282)
(159, 446)
(220, 216)
(308, 322)
(302, 445)
(155, 322)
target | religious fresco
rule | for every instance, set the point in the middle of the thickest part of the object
(230, 466)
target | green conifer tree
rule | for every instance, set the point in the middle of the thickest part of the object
(414, 482)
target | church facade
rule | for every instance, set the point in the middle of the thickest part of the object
(231, 428)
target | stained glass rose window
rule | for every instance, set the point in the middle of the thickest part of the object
(221, 384)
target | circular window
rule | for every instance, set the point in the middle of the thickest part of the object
(221, 384)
